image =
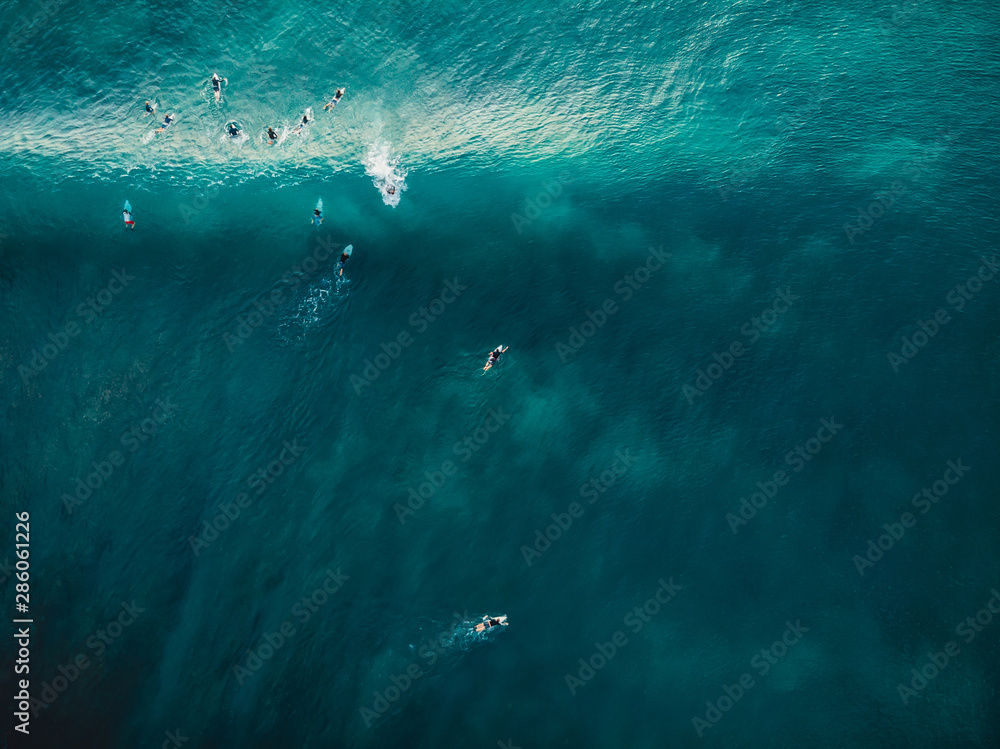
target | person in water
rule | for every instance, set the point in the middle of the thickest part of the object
(167, 121)
(317, 216)
(150, 107)
(336, 97)
(489, 622)
(129, 221)
(305, 121)
(343, 261)
(494, 356)
(217, 85)
(272, 137)
(234, 130)
(390, 190)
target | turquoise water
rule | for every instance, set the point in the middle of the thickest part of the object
(730, 248)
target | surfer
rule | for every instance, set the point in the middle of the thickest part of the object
(217, 85)
(233, 130)
(343, 258)
(129, 221)
(317, 216)
(305, 121)
(167, 121)
(494, 356)
(150, 107)
(272, 137)
(336, 97)
(489, 622)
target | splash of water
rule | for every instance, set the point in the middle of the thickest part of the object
(386, 173)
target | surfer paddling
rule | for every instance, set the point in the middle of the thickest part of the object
(272, 137)
(336, 97)
(150, 107)
(217, 85)
(305, 121)
(127, 215)
(167, 122)
(494, 356)
(489, 622)
(343, 258)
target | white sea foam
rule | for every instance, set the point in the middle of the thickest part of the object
(384, 169)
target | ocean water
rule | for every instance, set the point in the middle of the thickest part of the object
(734, 482)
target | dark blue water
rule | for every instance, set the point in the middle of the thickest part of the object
(733, 482)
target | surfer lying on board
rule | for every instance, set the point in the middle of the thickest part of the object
(317, 216)
(489, 622)
(217, 85)
(305, 121)
(150, 107)
(336, 97)
(233, 129)
(272, 137)
(167, 121)
(129, 221)
(494, 356)
(343, 258)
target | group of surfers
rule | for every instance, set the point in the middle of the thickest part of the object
(233, 128)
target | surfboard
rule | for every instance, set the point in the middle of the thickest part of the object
(128, 206)
(490, 363)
